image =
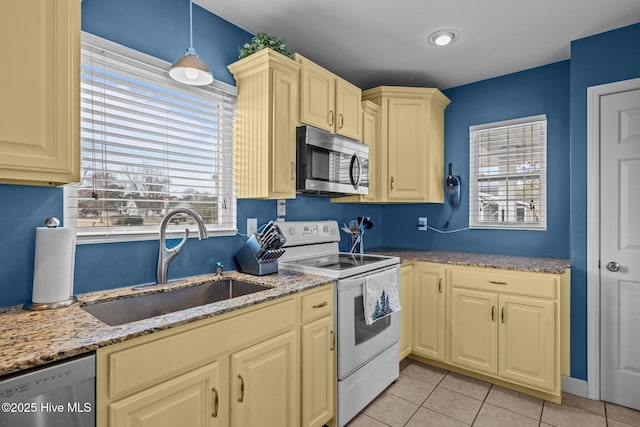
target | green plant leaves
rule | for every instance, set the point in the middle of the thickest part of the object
(261, 41)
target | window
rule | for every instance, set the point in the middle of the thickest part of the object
(149, 145)
(508, 174)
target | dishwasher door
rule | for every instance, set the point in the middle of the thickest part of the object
(61, 395)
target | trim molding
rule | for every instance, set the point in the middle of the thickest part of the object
(594, 94)
(574, 386)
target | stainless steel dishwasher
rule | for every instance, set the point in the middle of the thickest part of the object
(60, 395)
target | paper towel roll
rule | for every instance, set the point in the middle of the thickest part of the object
(54, 264)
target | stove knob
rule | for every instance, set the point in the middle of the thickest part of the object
(292, 230)
(334, 231)
(325, 228)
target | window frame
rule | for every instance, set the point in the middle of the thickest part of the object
(474, 179)
(133, 233)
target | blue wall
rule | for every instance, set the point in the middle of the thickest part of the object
(604, 58)
(543, 90)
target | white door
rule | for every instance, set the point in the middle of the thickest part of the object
(620, 248)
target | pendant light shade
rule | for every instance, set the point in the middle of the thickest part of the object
(190, 69)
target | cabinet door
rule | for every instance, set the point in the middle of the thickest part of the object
(406, 302)
(348, 109)
(406, 149)
(429, 312)
(40, 108)
(474, 329)
(318, 373)
(192, 399)
(265, 384)
(283, 155)
(317, 96)
(526, 337)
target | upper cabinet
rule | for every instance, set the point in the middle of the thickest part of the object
(411, 143)
(329, 102)
(265, 130)
(40, 108)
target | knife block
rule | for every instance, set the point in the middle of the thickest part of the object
(247, 260)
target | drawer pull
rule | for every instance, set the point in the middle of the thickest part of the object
(332, 345)
(215, 402)
(495, 282)
(493, 313)
(440, 285)
(502, 314)
(293, 171)
(322, 304)
(330, 117)
(241, 398)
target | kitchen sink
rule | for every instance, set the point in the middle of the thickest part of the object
(125, 310)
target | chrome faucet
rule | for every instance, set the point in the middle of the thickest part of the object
(166, 256)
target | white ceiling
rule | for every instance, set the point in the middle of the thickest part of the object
(376, 42)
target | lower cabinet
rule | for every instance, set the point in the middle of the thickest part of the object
(406, 312)
(429, 311)
(271, 364)
(508, 327)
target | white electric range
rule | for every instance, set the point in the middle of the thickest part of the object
(367, 355)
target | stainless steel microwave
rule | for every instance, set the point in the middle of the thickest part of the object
(330, 165)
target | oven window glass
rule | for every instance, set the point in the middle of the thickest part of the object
(365, 332)
(319, 164)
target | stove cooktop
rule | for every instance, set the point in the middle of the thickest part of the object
(340, 264)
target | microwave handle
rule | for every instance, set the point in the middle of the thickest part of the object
(355, 180)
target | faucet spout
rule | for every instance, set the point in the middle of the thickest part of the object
(166, 255)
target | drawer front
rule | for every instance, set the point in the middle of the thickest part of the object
(522, 283)
(141, 366)
(317, 304)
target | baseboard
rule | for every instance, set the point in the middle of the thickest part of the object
(574, 386)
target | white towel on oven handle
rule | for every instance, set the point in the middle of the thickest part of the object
(380, 295)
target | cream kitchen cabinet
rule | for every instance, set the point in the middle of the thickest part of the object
(328, 101)
(411, 144)
(244, 368)
(507, 324)
(429, 311)
(40, 108)
(265, 129)
(406, 312)
(318, 358)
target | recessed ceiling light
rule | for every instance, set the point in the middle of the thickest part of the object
(443, 37)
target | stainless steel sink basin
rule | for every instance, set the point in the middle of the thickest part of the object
(121, 311)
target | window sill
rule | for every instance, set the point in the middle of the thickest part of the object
(135, 236)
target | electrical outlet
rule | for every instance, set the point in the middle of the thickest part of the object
(422, 223)
(282, 207)
(252, 226)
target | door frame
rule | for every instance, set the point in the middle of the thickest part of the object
(594, 93)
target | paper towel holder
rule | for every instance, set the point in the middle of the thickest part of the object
(51, 222)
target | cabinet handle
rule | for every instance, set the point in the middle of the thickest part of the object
(440, 285)
(502, 314)
(322, 304)
(293, 171)
(493, 313)
(241, 398)
(495, 282)
(215, 402)
(391, 183)
(332, 345)
(330, 117)
(340, 120)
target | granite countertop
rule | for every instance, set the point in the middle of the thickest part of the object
(34, 338)
(507, 262)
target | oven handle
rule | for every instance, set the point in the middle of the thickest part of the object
(355, 181)
(357, 280)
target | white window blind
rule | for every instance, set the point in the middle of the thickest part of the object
(149, 145)
(508, 174)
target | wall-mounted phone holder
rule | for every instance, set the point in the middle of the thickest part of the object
(453, 184)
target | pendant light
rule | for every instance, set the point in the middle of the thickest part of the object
(190, 69)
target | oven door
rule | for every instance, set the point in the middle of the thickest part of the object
(329, 163)
(358, 342)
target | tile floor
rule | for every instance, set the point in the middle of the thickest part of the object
(426, 396)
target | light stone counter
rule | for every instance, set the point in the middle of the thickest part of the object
(508, 262)
(32, 338)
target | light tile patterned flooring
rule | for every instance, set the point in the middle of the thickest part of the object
(425, 396)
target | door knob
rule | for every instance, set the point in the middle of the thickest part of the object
(613, 266)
